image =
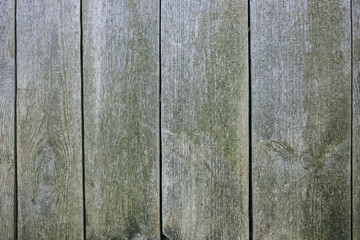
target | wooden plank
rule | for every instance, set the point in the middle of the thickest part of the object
(49, 120)
(356, 117)
(301, 119)
(121, 96)
(205, 95)
(7, 110)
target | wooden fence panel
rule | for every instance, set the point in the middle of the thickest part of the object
(49, 120)
(121, 97)
(301, 119)
(7, 121)
(204, 52)
(356, 117)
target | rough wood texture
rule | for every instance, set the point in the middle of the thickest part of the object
(356, 117)
(204, 47)
(7, 109)
(49, 120)
(121, 84)
(301, 119)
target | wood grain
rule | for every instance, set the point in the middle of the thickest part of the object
(7, 110)
(49, 120)
(204, 46)
(121, 96)
(301, 119)
(356, 117)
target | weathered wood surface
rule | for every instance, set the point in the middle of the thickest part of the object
(121, 96)
(301, 119)
(356, 117)
(204, 47)
(49, 120)
(7, 110)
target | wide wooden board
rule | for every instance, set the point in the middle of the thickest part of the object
(49, 120)
(301, 119)
(121, 112)
(205, 116)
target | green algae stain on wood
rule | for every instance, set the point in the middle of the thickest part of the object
(7, 110)
(49, 120)
(205, 119)
(301, 88)
(327, 73)
(219, 114)
(121, 82)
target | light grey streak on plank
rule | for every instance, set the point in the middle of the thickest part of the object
(121, 87)
(49, 120)
(301, 119)
(356, 117)
(7, 110)
(204, 47)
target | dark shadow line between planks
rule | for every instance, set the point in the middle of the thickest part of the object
(352, 114)
(162, 236)
(15, 130)
(82, 120)
(250, 131)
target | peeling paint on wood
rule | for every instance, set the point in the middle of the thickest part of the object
(204, 47)
(7, 110)
(49, 120)
(121, 97)
(301, 125)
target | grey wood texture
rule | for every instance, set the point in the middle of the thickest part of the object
(7, 121)
(121, 97)
(205, 94)
(49, 120)
(301, 119)
(356, 117)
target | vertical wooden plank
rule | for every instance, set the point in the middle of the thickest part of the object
(121, 96)
(301, 119)
(49, 120)
(204, 47)
(356, 117)
(7, 109)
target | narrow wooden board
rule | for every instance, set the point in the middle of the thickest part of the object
(356, 117)
(7, 121)
(205, 96)
(121, 97)
(301, 119)
(49, 120)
